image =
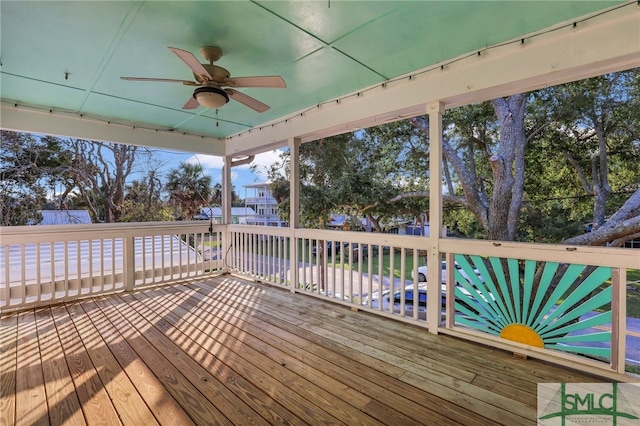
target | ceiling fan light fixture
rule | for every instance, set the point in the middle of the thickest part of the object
(211, 97)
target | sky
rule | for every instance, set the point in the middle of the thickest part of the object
(212, 166)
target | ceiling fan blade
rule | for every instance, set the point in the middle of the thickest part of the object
(192, 103)
(274, 81)
(192, 62)
(165, 80)
(247, 100)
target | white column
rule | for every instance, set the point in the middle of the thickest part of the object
(435, 111)
(294, 209)
(226, 190)
(226, 210)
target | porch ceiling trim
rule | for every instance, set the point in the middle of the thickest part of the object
(57, 123)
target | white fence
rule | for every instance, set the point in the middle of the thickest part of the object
(47, 264)
(561, 303)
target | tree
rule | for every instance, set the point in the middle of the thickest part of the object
(216, 196)
(189, 188)
(497, 208)
(143, 202)
(29, 166)
(592, 124)
(98, 174)
(622, 226)
(355, 174)
(320, 161)
(382, 161)
(598, 137)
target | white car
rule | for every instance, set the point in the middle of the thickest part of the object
(422, 273)
(376, 299)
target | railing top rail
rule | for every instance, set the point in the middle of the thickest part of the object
(586, 255)
(37, 233)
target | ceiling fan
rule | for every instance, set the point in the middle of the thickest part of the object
(216, 84)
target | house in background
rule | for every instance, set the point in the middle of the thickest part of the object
(64, 217)
(239, 215)
(258, 197)
(345, 222)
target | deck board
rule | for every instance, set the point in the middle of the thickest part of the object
(31, 403)
(8, 344)
(148, 385)
(229, 351)
(152, 351)
(93, 393)
(61, 394)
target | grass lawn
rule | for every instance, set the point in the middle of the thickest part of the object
(386, 264)
(633, 296)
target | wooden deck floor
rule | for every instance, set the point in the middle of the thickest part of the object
(227, 351)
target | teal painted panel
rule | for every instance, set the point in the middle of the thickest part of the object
(41, 40)
(529, 273)
(593, 337)
(514, 286)
(568, 279)
(489, 308)
(597, 320)
(489, 288)
(583, 350)
(438, 30)
(27, 91)
(592, 282)
(322, 52)
(550, 269)
(500, 276)
(330, 24)
(601, 299)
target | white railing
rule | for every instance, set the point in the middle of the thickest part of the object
(574, 309)
(44, 264)
(568, 302)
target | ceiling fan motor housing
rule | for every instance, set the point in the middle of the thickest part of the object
(211, 97)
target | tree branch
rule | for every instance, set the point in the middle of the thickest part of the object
(583, 178)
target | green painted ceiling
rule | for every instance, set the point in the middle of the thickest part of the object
(322, 49)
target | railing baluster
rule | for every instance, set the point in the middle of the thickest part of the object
(6, 299)
(38, 248)
(392, 253)
(53, 269)
(66, 269)
(90, 251)
(23, 271)
(101, 275)
(381, 280)
(113, 263)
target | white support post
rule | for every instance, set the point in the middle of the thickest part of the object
(619, 320)
(226, 207)
(435, 111)
(226, 190)
(129, 259)
(294, 210)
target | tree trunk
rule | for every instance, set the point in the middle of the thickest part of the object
(508, 168)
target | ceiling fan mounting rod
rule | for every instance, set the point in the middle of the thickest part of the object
(211, 53)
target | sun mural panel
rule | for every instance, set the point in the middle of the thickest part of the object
(565, 307)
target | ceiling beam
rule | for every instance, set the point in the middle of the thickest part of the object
(54, 123)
